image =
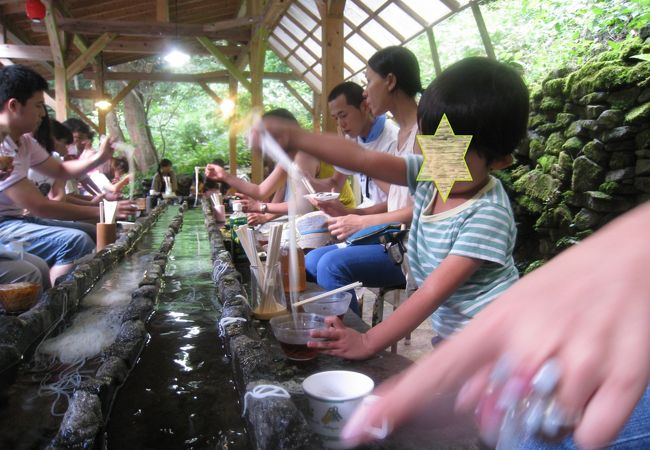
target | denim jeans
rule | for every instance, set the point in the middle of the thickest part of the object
(333, 267)
(634, 436)
(56, 245)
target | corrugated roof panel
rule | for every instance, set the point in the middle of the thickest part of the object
(313, 80)
(352, 60)
(429, 11)
(402, 21)
(381, 35)
(294, 29)
(277, 47)
(363, 47)
(305, 56)
(284, 37)
(355, 14)
(299, 15)
(313, 45)
(311, 6)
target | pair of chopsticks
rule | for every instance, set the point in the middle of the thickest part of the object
(347, 287)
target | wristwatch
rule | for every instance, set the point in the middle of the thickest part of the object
(263, 207)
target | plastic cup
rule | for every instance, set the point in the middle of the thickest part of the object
(292, 332)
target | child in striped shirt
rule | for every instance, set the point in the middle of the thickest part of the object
(460, 250)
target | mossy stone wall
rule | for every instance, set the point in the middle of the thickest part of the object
(587, 156)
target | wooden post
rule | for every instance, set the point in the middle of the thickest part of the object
(99, 87)
(434, 50)
(331, 12)
(316, 113)
(232, 128)
(485, 36)
(257, 57)
(60, 78)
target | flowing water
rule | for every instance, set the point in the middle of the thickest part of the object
(181, 394)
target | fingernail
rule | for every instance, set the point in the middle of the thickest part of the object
(546, 378)
(509, 432)
(554, 419)
(511, 394)
(534, 417)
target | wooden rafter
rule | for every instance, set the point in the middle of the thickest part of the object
(434, 50)
(85, 58)
(156, 47)
(219, 76)
(31, 52)
(297, 95)
(162, 10)
(451, 4)
(485, 36)
(227, 62)
(123, 93)
(83, 116)
(412, 14)
(375, 15)
(213, 95)
(236, 29)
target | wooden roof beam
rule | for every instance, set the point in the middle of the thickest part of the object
(89, 55)
(297, 95)
(227, 63)
(213, 95)
(162, 10)
(31, 52)
(236, 29)
(219, 76)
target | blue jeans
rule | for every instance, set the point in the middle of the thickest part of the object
(634, 436)
(333, 267)
(88, 228)
(56, 245)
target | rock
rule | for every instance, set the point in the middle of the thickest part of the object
(554, 143)
(644, 96)
(140, 308)
(639, 115)
(573, 146)
(594, 111)
(536, 120)
(619, 134)
(610, 118)
(113, 368)
(554, 88)
(644, 32)
(565, 161)
(601, 202)
(643, 154)
(595, 150)
(564, 119)
(642, 167)
(599, 98)
(538, 185)
(620, 174)
(535, 149)
(622, 160)
(580, 128)
(643, 139)
(131, 330)
(551, 104)
(586, 219)
(622, 146)
(587, 175)
(625, 98)
(82, 421)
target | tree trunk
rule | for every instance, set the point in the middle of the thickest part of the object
(138, 128)
(113, 126)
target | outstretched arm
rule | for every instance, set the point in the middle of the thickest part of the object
(258, 192)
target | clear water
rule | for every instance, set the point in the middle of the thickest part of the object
(181, 394)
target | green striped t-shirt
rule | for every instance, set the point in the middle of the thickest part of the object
(481, 228)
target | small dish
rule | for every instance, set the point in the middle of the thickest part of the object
(323, 196)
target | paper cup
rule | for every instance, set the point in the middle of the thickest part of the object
(106, 234)
(333, 396)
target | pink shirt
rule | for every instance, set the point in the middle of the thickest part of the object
(29, 153)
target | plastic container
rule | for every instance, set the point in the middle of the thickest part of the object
(332, 305)
(292, 332)
(267, 296)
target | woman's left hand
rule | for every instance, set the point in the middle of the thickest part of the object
(340, 340)
(344, 226)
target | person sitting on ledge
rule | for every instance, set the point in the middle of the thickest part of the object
(164, 170)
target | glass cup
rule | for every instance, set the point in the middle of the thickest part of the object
(267, 293)
(7, 156)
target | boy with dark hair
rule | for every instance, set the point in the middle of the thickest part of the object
(21, 111)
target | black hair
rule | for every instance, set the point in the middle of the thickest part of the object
(61, 132)
(403, 64)
(43, 133)
(164, 163)
(121, 163)
(281, 113)
(352, 91)
(218, 162)
(79, 126)
(19, 82)
(481, 97)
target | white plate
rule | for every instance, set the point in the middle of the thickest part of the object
(323, 196)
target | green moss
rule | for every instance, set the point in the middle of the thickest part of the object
(535, 149)
(554, 143)
(538, 185)
(536, 120)
(564, 119)
(529, 204)
(608, 187)
(534, 265)
(518, 172)
(566, 241)
(550, 104)
(567, 195)
(545, 162)
(565, 161)
(572, 146)
(537, 94)
(604, 76)
(555, 87)
(638, 115)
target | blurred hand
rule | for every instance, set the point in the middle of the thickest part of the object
(249, 204)
(340, 340)
(344, 226)
(588, 309)
(106, 149)
(126, 208)
(333, 208)
(257, 218)
(215, 172)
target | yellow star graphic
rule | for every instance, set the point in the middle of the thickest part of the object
(444, 158)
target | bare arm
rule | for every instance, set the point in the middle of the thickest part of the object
(438, 286)
(258, 192)
(344, 226)
(334, 183)
(25, 195)
(71, 169)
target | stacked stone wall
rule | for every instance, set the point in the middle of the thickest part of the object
(587, 157)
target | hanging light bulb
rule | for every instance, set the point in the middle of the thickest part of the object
(227, 108)
(35, 10)
(103, 104)
(177, 58)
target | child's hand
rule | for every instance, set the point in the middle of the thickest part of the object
(257, 219)
(215, 172)
(341, 340)
(106, 149)
(342, 227)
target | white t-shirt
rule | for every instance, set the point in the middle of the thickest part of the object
(29, 153)
(40, 179)
(386, 142)
(399, 196)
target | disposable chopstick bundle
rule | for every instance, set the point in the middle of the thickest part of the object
(347, 287)
(110, 211)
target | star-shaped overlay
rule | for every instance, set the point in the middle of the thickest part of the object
(444, 158)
